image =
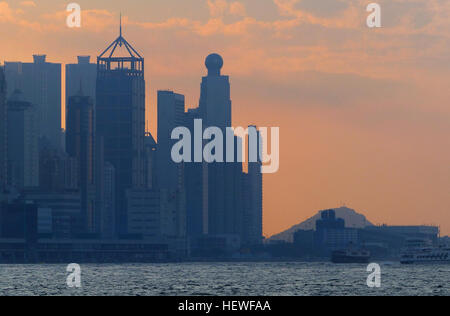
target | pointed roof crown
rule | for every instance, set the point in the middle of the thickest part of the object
(120, 42)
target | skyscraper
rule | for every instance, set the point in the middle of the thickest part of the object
(108, 198)
(215, 102)
(120, 119)
(253, 209)
(170, 115)
(80, 145)
(40, 83)
(170, 175)
(196, 219)
(3, 135)
(215, 110)
(23, 151)
(83, 73)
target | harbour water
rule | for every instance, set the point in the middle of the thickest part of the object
(230, 279)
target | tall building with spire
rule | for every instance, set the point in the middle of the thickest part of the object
(120, 118)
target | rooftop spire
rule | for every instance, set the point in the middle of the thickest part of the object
(120, 24)
(120, 41)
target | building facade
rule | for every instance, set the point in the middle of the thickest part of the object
(253, 227)
(40, 82)
(3, 131)
(215, 111)
(80, 146)
(81, 76)
(120, 120)
(23, 151)
(170, 115)
(144, 213)
(65, 209)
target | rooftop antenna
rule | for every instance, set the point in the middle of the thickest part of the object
(120, 36)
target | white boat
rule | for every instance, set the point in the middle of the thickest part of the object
(419, 251)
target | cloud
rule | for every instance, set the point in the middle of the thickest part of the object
(9, 15)
(237, 8)
(219, 8)
(28, 4)
(323, 8)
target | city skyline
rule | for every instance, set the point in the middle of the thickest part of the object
(105, 178)
(397, 188)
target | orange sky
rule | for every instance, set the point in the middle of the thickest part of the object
(363, 113)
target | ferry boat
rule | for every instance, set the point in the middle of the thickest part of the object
(350, 256)
(419, 251)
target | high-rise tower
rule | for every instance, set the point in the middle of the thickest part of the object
(40, 83)
(3, 135)
(83, 73)
(215, 102)
(218, 205)
(170, 115)
(23, 152)
(253, 209)
(80, 146)
(120, 118)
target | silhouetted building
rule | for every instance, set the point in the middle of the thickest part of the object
(215, 110)
(195, 217)
(144, 213)
(215, 101)
(151, 150)
(18, 220)
(108, 198)
(83, 73)
(3, 131)
(170, 175)
(304, 242)
(57, 171)
(80, 145)
(65, 209)
(253, 199)
(331, 233)
(430, 233)
(170, 115)
(40, 83)
(388, 241)
(23, 151)
(220, 198)
(216, 246)
(120, 119)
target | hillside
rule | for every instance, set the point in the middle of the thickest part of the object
(351, 217)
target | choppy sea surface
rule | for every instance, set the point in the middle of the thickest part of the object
(225, 279)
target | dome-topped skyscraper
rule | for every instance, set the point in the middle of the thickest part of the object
(214, 63)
